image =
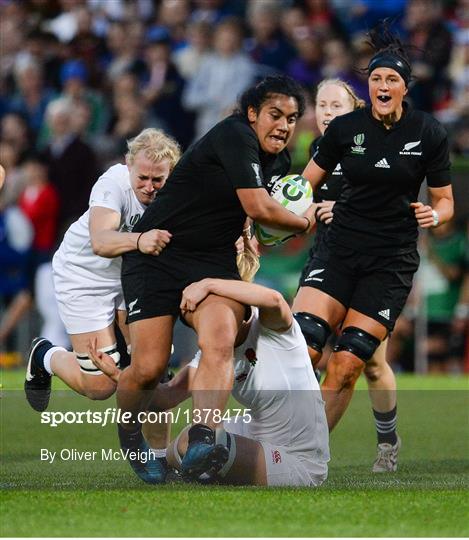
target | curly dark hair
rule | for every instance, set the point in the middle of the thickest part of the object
(257, 95)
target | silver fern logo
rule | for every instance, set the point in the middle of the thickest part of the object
(406, 151)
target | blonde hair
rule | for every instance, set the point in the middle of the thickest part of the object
(247, 261)
(357, 102)
(156, 146)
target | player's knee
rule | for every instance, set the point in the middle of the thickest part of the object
(315, 330)
(146, 375)
(373, 372)
(99, 388)
(218, 346)
(357, 342)
(345, 370)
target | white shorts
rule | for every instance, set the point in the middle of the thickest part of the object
(85, 307)
(284, 466)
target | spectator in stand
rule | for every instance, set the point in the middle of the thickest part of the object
(74, 78)
(293, 22)
(307, 67)
(40, 203)
(222, 77)
(14, 130)
(322, 18)
(31, 97)
(163, 86)
(72, 163)
(189, 58)
(16, 235)
(430, 52)
(267, 46)
(174, 16)
(123, 53)
(87, 46)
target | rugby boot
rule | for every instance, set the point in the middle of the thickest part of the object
(37, 385)
(203, 458)
(386, 461)
(142, 458)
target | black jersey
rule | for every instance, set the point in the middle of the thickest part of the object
(384, 171)
(198, 204)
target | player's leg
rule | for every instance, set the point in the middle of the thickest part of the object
(245, 464)
(360, 337)
(216, 321)
(151, 347)
(317, 313)
(74, 368)
(382, 389)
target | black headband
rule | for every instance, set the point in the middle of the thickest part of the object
(393, 61)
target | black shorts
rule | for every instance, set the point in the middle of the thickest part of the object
(153, 285)
(375, 285)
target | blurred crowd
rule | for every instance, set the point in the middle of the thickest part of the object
(78, 78)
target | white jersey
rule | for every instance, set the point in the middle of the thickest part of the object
(275, 380)
(75, 255)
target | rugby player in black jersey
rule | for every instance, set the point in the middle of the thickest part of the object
(335, 97)
(363, 274)
(216, 184)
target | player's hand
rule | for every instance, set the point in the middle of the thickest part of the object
(309, 213)
(103, 361)
(423, 214)
(154, 241)
(324, 211)
(193, 294)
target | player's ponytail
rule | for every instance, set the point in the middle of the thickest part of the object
(247, 261)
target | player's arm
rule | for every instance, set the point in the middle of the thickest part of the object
(274, 312)
(170, 394)
(265, 210)
(314, 174)
(108, 241)
(440, 211)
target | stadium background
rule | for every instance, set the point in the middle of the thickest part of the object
(79, 77)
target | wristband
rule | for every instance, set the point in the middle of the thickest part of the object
(138, 240)
(436, 218)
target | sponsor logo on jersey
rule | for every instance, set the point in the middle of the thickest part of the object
(276, 456)
(128, 227)
(271, 185)
(385, 313)
(406, 151)
(313, 273)
(133, 311)
(257, 171)
(250, 354)
(382, 164)
(324, 187)
(359, 139)
(337, 171)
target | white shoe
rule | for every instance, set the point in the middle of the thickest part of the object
(386, 460)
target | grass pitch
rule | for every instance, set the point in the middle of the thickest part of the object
(427, 497)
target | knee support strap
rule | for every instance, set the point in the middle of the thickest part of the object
(358, 342)
(86, 364)
(315, 330)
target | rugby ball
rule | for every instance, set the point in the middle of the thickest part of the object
(295, 194)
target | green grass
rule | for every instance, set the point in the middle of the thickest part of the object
(426, 497)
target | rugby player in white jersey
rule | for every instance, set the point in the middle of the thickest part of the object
(87, 266)
(283, 438)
